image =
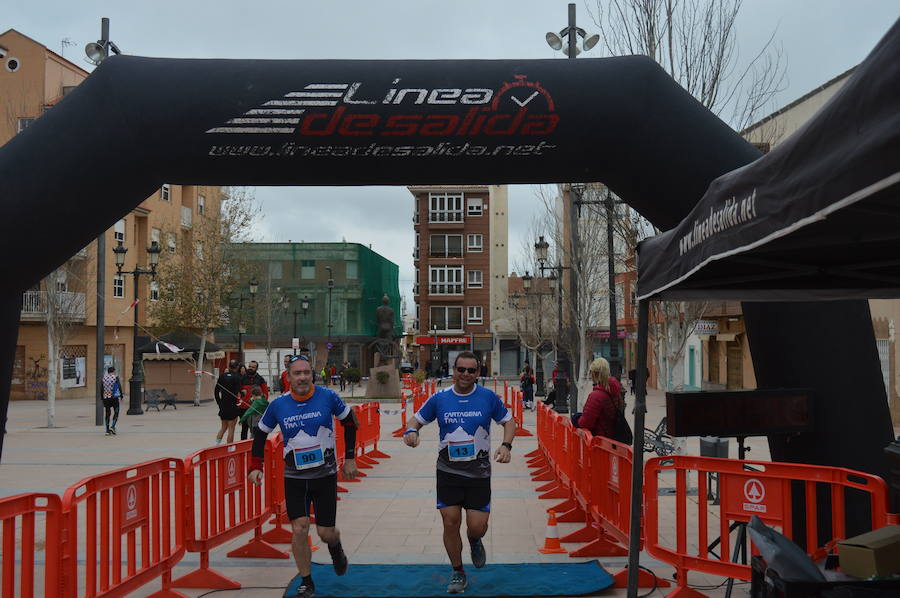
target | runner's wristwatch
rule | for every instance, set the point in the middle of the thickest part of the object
(507, 445)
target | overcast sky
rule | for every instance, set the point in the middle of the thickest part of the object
(820, 39)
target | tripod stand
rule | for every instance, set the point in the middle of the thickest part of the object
(740, 542)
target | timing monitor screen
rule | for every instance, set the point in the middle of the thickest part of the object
(738, 412)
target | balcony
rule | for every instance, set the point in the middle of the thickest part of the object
(71, 306)
(186, 216)
(449, 290)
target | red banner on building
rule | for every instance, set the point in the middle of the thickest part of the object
(443, 340)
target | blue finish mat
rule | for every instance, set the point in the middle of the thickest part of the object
(427, 581)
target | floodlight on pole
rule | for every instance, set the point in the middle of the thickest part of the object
(97, 52)
(571, 34)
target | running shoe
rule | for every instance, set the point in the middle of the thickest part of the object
(302, 590)
(479, 557)
(108, 432)
(340, 562)
(113, 430)
(458, 583)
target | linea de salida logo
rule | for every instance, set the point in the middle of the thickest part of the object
(520, 107)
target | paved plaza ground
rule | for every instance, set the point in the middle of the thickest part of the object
(387, 518)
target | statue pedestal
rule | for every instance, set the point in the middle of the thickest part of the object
(390, 389)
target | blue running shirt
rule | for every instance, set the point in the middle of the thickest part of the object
(465, 429)
(307, 429)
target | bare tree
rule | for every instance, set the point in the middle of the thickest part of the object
(588, 308)
(64, 309)
(198, 280)
(695, 41)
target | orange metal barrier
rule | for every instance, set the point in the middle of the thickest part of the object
(19, 515)
(274, 486)
(766, 493)
(593, 475)
(142, 507)
(221, 504)
(512, 399)
(398, 433)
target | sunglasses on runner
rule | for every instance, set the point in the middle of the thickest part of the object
(294, 358)
(463, 370)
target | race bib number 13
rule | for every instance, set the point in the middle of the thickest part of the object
(461, 451)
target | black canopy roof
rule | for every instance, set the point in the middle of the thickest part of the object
(816, 218)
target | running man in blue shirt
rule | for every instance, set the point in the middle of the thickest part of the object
(305, 415)
(464, 413)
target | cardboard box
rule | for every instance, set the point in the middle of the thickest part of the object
(874, 553)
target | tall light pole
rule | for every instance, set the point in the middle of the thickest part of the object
(570, 34)
(135, 384)
(555, 281)
(104, 45)
(330, 289)
(304, 307)
(609, 202)
(614, 362)
(254, 286)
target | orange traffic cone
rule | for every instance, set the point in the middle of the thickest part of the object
(551, 542)
(312, 548)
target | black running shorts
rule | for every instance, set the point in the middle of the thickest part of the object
(321, 493)
(459, 490)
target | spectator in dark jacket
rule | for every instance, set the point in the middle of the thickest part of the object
(599, 416)
(227, 392)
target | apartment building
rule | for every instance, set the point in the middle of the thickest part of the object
(323, 294)
(460, 257)
(33, 79)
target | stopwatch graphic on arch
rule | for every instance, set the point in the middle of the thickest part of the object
(522, 93)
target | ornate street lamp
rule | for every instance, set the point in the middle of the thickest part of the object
(136, 383)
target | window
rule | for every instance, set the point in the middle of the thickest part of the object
(154, 290)
(201, 204)
(22, 123)
(445, 207)
(170, 241)
(446, 246)
(447, 318)
(416, 248)
(154, 236)
(475, 242)
(416, 323)
(118, 286)
(416, 286)
(475, 206)
(276, 271)
(119, 231)
(198, 250)
(445, 280)
(475, 314)
(165, 193)
(352, 270)
(62, 281)
(476, 280)
(307, 269)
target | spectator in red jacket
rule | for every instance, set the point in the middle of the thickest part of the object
(285, 383)
(599, 416)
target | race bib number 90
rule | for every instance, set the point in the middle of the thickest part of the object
(461, 451)
(308, 457)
